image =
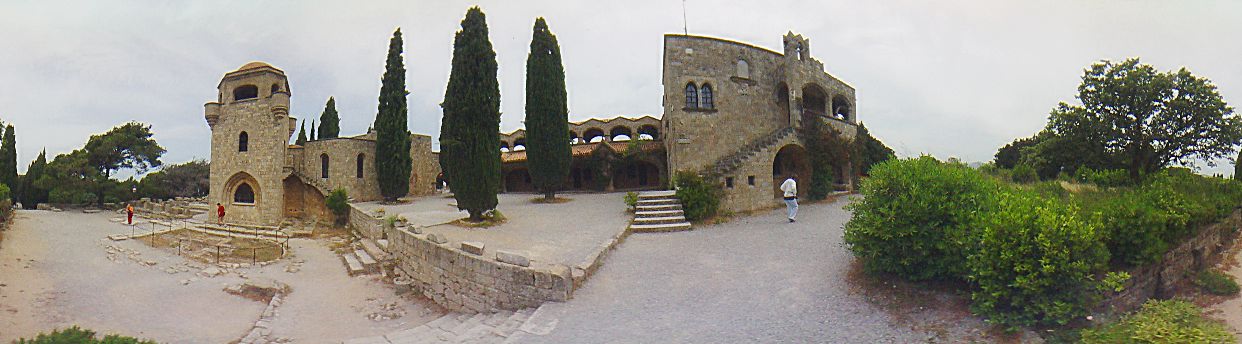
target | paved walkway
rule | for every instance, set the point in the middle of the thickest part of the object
(754, 280)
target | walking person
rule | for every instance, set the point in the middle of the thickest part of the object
(219, 214)
(129, 210)
(790, 187)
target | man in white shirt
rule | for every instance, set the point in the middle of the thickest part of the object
(790, 188)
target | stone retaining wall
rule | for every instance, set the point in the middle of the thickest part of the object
(1158, 280)
(462, 281)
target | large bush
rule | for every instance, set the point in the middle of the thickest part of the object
(915, 218)
(1171, 321)
(76, 335)
(699, 199)
(338, 203)
(1035, 261)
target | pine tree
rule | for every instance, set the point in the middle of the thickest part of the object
(329, 121)
(31, 195)
(468, 131)
(312, 132)
(392, 134)
(301, 140)
(8, 158)
(547, 117)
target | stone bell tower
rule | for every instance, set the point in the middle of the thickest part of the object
(250, 131)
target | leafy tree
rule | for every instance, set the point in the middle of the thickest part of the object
(869, 150)
(547, 116)
(392, 135)
(31, 195)
(301, 140)
(69, 179)
(1145, 120)
(329, 121)
(468, 138)
(189, 179)
(1008, 156)
(828, 152)
(83, 176)
(8, 158)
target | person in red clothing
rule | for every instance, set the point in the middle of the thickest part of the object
(129, 209)
(219, 214)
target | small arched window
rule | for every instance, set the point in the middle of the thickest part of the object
(243, 194)
(275, 88)
(706, 101)
(323, 166)
(245, 92)
(243, 142)
(692, 96)
(361, 158)
(743, 69)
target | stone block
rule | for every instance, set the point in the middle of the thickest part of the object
(514, 258)
(437, 238)
(472, 247)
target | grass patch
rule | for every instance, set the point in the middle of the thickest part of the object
(557, 200)
(490, 219)
(204, 247)
(1170, 321)
(1216, 282)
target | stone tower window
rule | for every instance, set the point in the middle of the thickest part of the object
(243, 142)
(743, 69)
(706, 97)
(245, 92)
(275, 88)
(323, 166)
(361, 158)
(243, 194)
(692, 96)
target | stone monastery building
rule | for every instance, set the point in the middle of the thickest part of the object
(732, 112)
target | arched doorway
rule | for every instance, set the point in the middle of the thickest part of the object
(782, 102)
(636, 175)
(814, 103)
(791, 160)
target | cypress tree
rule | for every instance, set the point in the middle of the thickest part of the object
(1237, 167)
(547, 117)
(329, 122)
(392, 135)
(8, 158)
(31, 195)
(471, 123)
(312, 132)
(301, 140)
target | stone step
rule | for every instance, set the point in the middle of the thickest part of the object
(460, 329)
(411, 336)
(229, 230)
(662, 227)
(659, 213)
(658, 207)
(374, 249)
(659, 220)
(352, 265)
(656, 194)
(658, 201)
(368, 263)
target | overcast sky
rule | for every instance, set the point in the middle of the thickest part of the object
(946, 78)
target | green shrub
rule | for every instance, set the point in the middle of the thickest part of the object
(76, 335)
(1024, 173)
(1170, 321)
(1105, 178)
(699, 199)
(71, 196)
(1035, 262)
(631, 200)
(338, 203)
(915, 217)
(1216, 282)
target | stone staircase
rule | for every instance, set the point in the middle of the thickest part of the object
(730, 163)
(659, 211)
(359, 262)
(457, 328)
(314, 182)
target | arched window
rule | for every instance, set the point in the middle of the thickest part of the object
(275, 88)
(706, 101)
(743, 69)
(245, 92)
(243, 194)
(323, 166)
(361, 158)
(692, 96)
(243, 142)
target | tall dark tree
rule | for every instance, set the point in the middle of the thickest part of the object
(8, 159)
(30, 194)
(547, 117)
(312, 132)
(468, 131)
(301, 140)
(392, 134)
(869, 151)
(329, 121)
(1144, 120)
(1237, 167)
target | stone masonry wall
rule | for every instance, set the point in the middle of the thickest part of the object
(462, 281)
(426, 166)
(1158, 280)
(343, 154)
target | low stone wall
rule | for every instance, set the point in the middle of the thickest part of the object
(180, 208)
(1158, 280)
(463, 281)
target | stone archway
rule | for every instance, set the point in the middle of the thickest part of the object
(242, 189)
(791, 159)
